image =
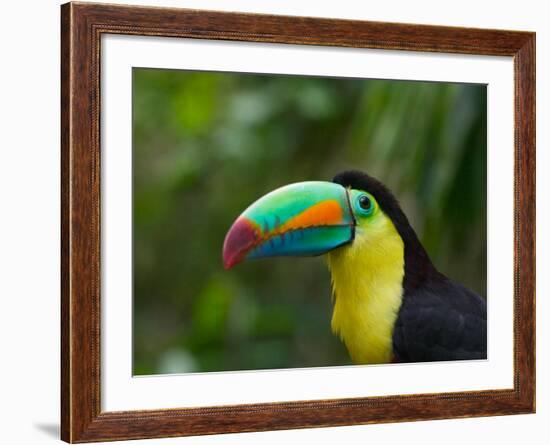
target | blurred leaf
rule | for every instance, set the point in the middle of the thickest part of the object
(210, 311)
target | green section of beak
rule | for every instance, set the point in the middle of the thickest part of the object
(302, 219)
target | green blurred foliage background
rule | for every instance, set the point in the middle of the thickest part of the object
(206, 145)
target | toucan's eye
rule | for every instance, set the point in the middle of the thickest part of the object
(365, 203)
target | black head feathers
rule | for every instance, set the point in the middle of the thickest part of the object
(361, 181)
(418, 267)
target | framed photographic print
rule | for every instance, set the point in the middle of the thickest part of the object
(275, 222)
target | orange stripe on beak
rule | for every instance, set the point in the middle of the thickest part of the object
(322, 214)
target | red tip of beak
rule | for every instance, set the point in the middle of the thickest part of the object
(239, 240)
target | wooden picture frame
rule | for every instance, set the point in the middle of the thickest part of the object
(82, 26)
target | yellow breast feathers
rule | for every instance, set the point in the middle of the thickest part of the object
(367, 277)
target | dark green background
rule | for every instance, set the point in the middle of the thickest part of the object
(206, 145)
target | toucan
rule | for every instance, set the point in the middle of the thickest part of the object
(390, 303)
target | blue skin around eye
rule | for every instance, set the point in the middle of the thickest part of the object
(355, 197)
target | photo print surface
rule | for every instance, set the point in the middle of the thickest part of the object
(298, 221)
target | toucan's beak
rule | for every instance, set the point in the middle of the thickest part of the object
(302, 219)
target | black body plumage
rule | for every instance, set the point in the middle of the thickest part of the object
(439, 319)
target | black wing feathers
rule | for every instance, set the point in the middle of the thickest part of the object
(438, 321)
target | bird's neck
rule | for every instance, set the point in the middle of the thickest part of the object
(367, 279)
